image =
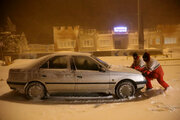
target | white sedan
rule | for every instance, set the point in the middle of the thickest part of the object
(74, 72)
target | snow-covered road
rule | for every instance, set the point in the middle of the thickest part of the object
(154, 104)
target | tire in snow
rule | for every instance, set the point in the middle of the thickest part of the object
(35, 90)
(125, 89)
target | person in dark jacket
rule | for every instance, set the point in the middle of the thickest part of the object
(153, 71)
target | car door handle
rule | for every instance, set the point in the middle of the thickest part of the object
(79, 76)
(44, 76)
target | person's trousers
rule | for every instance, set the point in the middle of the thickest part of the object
(156, 74)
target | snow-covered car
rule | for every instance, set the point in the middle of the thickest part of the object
(74, 72)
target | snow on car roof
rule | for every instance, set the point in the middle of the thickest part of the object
(29, 63)
(70, 53)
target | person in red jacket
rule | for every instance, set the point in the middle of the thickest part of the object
(153, 71)
(138, 63)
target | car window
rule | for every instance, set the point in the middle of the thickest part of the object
(45, 65)
(72, 64)
(58, 62)
(99, 60)
(85, 63)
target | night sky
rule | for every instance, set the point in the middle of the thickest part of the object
(37, 17)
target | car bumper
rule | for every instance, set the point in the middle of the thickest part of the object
(19, 86)
(141, 84)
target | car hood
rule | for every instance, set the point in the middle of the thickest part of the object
(123, 69)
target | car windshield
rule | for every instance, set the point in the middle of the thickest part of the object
(102, 62)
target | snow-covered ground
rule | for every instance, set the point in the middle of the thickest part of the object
(152, 105)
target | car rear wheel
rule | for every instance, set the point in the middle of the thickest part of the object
(35, 90)
(125, 90)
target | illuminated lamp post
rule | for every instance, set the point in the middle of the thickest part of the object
(140, 27)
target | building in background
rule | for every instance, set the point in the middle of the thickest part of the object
(65, 38)
(39, 48)
(170, 35)
(87, 40)
(153, 39)
(90, 40)
(74, 39)
(162, 37)
(120, 37)
(105, 41)
(133, 40)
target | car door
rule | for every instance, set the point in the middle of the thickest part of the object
(88, 76)
(57, 75)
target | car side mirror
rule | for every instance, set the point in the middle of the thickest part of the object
(102, 69)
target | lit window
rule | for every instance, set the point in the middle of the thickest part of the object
(168, 40)
(88, 43)
(68, 43)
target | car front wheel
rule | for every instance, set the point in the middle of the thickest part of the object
(125, 89)
(35, 90)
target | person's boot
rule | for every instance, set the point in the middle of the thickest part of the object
(148, 89)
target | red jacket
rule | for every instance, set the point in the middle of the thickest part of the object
(138, 64)
(153, 66)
